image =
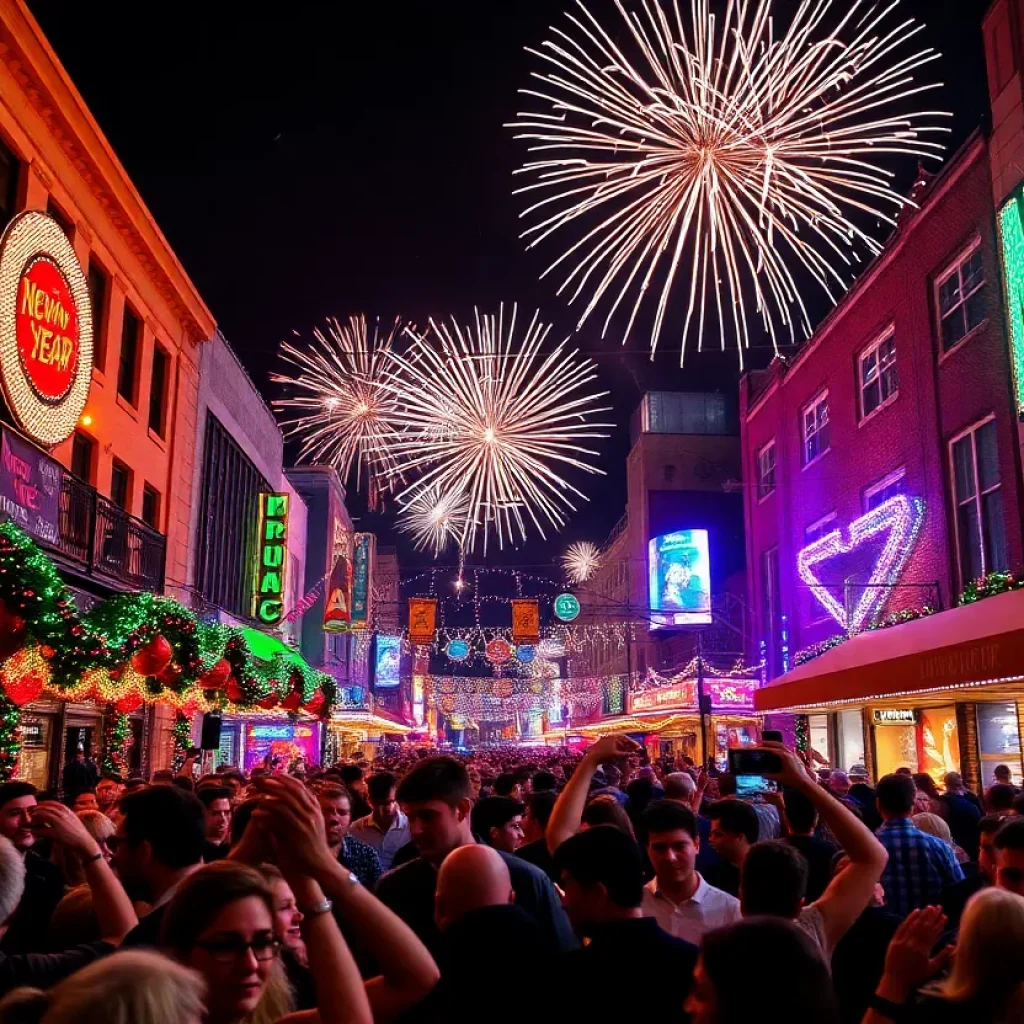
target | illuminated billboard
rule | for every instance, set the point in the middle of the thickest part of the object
(388, 662)
(679, 578)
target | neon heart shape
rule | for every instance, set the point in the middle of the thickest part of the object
(901, 517)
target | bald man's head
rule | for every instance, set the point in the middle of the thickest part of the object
(470, 878)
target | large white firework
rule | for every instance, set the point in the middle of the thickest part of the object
(483, 411)
(710, 156)
(341, 412)
(435, 518)
(581, 561)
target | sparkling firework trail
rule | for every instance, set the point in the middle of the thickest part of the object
(434, 518)
(719, 156)
(489, 415)
(342, 411)
(581, 561)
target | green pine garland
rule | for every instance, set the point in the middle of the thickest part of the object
(182, 733)
(117, 735)
(990, 585)
(109, 635)
(10, 738)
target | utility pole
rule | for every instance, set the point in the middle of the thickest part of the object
(701, 703)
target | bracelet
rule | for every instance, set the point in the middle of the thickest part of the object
(98, 855)
(887, 1008)
(324, 907)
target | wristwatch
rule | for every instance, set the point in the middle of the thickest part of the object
(887, 1008)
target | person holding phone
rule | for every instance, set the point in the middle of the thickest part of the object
(774, 874)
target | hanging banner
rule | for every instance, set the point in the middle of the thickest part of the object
(338, 610)
(525, 621)
(362, 580)
(422, 619)
(388, 662)
(271, 559)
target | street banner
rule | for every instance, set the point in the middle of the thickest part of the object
(422, 620)
(338, 609)
(30, 483)
(525, 621)
(362, 580)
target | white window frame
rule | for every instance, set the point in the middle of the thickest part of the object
(873, 350)
(978, 494)
(762, 493)
(819, 398)
(953, 267)
(881, 485)
(817, 525)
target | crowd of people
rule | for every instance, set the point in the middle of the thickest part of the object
(416, 888)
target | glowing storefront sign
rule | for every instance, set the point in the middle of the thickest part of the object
(46, 330)
(387, 670)
(896, 523)
(271, 559)
(679, 579)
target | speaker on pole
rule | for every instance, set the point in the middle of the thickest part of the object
(211, 731)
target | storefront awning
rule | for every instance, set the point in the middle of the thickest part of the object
(978, 647)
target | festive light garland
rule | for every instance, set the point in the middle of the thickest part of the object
(990, 585)
(896, 619)
(181, 732)
(10, 738)
(134, 648)
(117, 742)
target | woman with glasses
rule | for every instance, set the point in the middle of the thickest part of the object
(221, 924)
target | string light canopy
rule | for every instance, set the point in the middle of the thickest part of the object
(711, 154)
(482, 409)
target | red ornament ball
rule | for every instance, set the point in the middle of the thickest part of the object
(233, 690)
(268, 702)
(169, 675)
(25, 689)
(154, 657)
(216, 677)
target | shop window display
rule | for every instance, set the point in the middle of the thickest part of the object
(999, 741)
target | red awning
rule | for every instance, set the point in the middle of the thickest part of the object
(976, 645)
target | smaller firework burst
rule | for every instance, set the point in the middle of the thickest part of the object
(581, 561)
(339, 411)
(433, 517)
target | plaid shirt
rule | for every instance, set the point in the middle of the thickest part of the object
(361, 860)
(920, 866)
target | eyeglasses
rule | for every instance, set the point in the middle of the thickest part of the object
(231, 949)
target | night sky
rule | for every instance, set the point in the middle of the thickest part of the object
(315, 159)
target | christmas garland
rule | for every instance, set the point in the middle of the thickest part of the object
(10, 739)
(990, 585)
(182, 734)
(895, 619)
(117, 741)
(133, 648)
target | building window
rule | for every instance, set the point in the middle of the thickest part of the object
(977, 490)
(158, 391)
(766, 470)
(66, 223)
(820, 528)
(128, 361)
(229, 500)
(151, 506)
(120, 485)
(815, 429)
(879, 381)
(83, 448)
(961, 297)
(10, 170)
(878, 494)
(98, 295)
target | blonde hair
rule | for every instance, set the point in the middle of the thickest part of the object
(989, 962)
(133, 987)
(100, 827)
(933, 825)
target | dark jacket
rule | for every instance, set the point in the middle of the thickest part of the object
(44, 889)
(42, 970)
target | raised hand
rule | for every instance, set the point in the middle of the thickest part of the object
(908, 962)
(290, 818)
(612, 748)
(60, 823)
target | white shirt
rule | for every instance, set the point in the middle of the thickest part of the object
(388, 843)
(706, 909)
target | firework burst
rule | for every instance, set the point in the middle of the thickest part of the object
(335, 401)
(487, 414)
(719, 153)
(434, 518)
(580, 562)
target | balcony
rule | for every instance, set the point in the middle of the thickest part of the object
(85, 532)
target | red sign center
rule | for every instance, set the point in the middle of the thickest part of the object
(47, 327)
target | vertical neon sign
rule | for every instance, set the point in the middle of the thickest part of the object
(271, 559)
(1011, 243)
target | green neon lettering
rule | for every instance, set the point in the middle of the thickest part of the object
(1011, 236)
(277, 506)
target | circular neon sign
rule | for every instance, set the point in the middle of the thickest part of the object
(567, 607)
(498, 651)
(45, 328)
(458, 650)
(525, 653)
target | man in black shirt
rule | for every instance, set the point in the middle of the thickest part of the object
(157, 845)
(602, 875)
(803, 819)
(44, 883)
(535, 823)
(734, 830)
(435, 797)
